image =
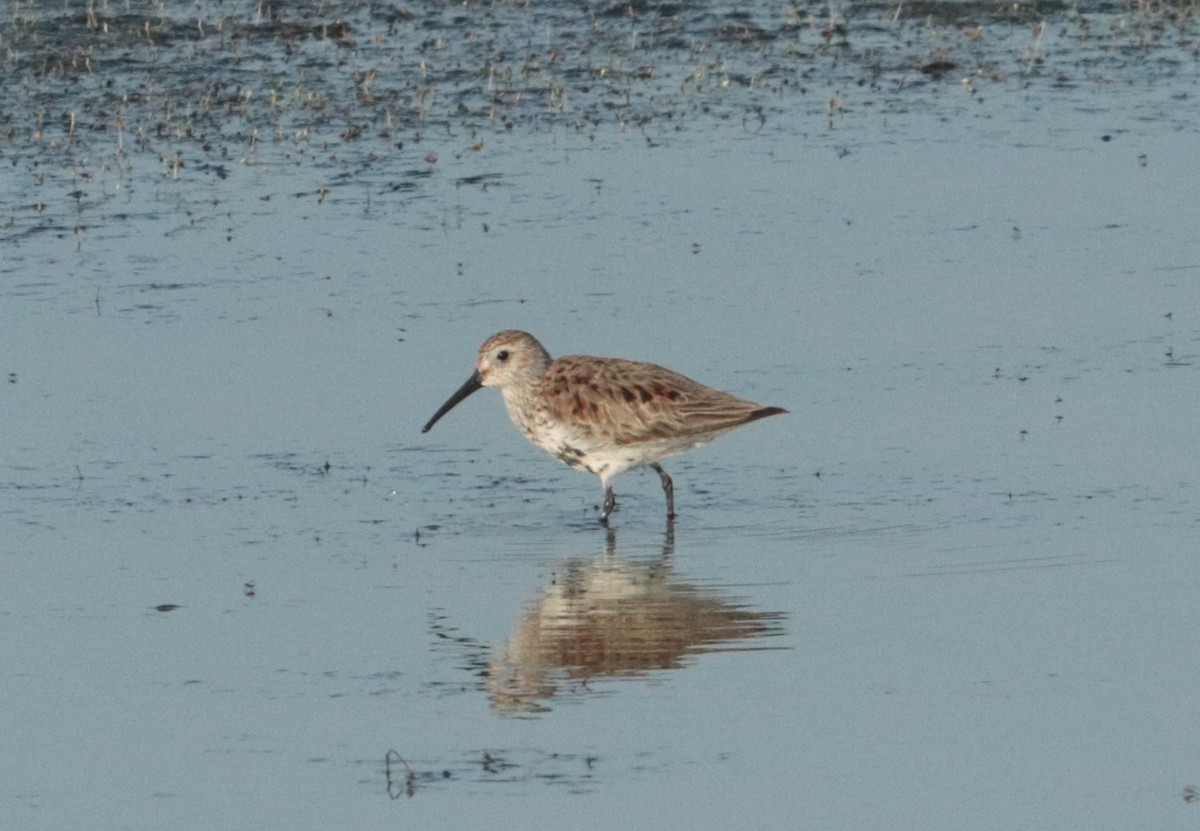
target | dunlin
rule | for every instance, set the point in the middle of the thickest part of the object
(603, 415)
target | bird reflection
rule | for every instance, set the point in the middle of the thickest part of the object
(612, 617)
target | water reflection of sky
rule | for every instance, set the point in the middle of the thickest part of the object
(971, 540)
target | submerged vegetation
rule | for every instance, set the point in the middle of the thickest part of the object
(93, 85)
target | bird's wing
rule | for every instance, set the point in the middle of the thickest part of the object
(610, 400)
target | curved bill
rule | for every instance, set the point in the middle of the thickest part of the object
(473, 383)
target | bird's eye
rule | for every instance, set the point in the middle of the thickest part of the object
(502, 355)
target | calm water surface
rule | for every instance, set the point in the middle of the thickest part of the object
(248, 250)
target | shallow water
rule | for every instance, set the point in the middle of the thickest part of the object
(952, 589)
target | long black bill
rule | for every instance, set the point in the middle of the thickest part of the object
(473, 383)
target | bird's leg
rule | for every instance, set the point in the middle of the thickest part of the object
(668, 489)
(610, 504)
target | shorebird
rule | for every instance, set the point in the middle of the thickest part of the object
(603, 415)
